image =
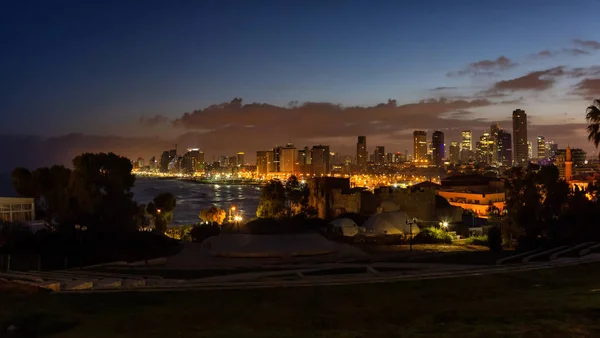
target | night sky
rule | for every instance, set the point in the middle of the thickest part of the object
(135, 77)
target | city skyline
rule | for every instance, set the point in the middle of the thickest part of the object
(73, 85)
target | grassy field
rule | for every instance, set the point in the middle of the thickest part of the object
(561, 302)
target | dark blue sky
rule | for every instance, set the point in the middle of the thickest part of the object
(96, 67)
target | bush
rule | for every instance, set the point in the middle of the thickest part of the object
(477, 240)
(495, 239)
(433, 236)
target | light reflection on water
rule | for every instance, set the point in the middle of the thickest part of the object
(194, 197)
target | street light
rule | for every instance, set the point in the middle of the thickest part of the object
(231, 210)
(410, 239)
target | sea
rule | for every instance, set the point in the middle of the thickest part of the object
(191, 197)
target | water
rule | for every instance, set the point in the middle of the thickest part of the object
(194, 197)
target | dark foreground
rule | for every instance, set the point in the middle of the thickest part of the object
(562, 302)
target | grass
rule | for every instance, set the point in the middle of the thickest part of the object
(562, 302)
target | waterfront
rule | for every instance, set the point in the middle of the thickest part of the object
(193, 197)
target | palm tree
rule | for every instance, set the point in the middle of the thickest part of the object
(593, 117)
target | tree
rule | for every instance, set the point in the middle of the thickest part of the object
(593, 117)
(272, 200)
(23, 183)
(213, 215)
(162, 208)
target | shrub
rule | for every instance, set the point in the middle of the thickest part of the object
(495, 239)
(477, 240)
(201, 232)
(433, 236)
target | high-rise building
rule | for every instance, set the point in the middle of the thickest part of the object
(494, 130)
(232, 161)
(262, 165)
(193, 161)
(529, 150)
(520, 137)
(153, 163)
(240, 159)
(466, 146)
(361, 153)
(437, 140)
(420, 146)
(541, 148)
(165, 159)
(485, 148)
(551, 150)
(454, 153)
(287, 157)
(320, 160)
(379, 155)
(389, 158)
(504, 148)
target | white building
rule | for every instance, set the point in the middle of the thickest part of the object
(17, 209)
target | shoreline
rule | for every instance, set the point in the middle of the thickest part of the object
(206, 181)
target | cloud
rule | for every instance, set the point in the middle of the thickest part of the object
(544, 54)
(437, 89)
(575, 51)
(588, 44)
(588, 88)
(533, 81)
(153, 121)
(485, 67)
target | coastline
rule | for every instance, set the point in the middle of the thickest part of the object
(206, 181)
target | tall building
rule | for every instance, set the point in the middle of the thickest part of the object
(529, 150)
(466, 146)
(193, 161)
(153, 163)
(389, 158)
(379, 155)
(568, 165)
(437, 140)
(419, 146)
(361, 153)
(485, 148)
(262, 167)
(320, 160)
(519, 144)
(454, 153)
(287, 158)
(240, 159)
(494, 130)
(165, 159)
(541, 148)
(504, 148)
(551, 150)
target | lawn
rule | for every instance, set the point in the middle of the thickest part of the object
(562, 302)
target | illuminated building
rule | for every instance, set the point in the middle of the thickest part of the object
(541, 148)
(379, 155)
(17, 209)
(287, 158)
(466, 146)
(240, 159)
(320, 160)
(551, 150)
(529, 150)
(494, 134)
(389, 158)
(262, 164)
(361, 153)
(504, 148)
(419, 146)
(437, 141)
(520, 148)
(193, 161)
(485, 148)
(454, 153)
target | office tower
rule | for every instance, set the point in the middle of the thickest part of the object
(454, 152)
(361, 153)
(466, 146)
(153, 163)
(240, 159)
(379, 155)
(164, 161)
(529, 150)
(419, 146)
(437, 141)
(389, 158)
(287, 158)
(519, 143)
(399, 158)
(193, 161)
(232, 161)
(485, 148)
(262, 167)
(494, 130)
(320, 160)
(551, 150)
(504, 148)
(541, 148)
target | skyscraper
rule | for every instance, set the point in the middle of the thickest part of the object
(420, 145)
(380, 154)
(494, 130)
(504, 148)
(466, 146)
(361, 153)
(485, 148)
(320, 160)
(520, 137)
(454, 153)
(541, 148)
(529, 150)
(437, 139)
(240, 159)
(287, 158)
(262, 167)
